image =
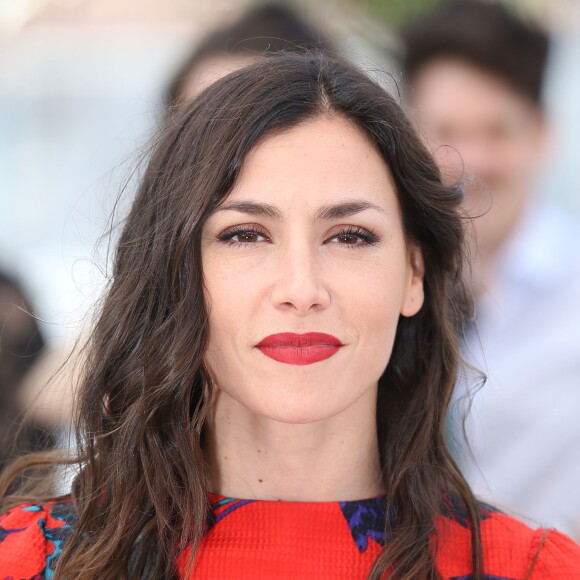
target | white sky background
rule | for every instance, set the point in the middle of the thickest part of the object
(80, 91)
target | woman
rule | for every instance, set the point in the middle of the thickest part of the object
(267, 382)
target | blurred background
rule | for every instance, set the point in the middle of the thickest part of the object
(83, 87)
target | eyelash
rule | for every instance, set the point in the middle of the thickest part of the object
(368, 236)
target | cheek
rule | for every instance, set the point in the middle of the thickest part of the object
(373, 306)
(516, 160)
(221, 295)
(383, 318)
(230, 290)
(233, 296)
(524, 161)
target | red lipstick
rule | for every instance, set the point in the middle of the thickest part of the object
(299, 349)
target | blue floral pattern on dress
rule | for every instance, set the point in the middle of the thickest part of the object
(60, 511)
(64, 512)
(366, 519)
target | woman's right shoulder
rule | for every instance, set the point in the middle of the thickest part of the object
(32, 536)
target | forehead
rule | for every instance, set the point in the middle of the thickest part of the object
(317, 162)
(452, 88)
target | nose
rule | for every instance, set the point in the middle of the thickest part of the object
(298, 283)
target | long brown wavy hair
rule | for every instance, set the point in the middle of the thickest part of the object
(141, 492)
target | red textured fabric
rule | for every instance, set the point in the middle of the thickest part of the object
(249, 539)
(269, 539)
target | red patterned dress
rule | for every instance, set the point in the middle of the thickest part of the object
(264, 539)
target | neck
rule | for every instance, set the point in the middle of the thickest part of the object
(254, 457)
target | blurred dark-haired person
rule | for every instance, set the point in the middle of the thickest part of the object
(263, 29)
(21, 344)
(474, 71)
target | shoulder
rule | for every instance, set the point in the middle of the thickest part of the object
(31, 538)
(543, 553)
(554, 555)
(511, 549)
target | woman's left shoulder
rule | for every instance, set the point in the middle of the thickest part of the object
(553, 555)
(511, 549)
(545, 553)
(32, 536)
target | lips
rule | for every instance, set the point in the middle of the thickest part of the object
(299, 349)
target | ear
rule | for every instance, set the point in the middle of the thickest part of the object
(414, 293)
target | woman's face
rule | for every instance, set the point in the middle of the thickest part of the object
(310, 240)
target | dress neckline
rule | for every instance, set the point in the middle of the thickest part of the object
(217, 498)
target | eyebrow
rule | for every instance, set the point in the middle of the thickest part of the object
(345, 209)
(326, 212)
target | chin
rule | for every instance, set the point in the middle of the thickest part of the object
(298, 418)
(299, 410)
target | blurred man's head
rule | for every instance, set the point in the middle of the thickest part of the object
(475, 72)
(265, 28)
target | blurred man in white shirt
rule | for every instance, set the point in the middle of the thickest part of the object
(475, 72)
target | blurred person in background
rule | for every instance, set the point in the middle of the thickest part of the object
(21, 345)
(266, 28)
(475, 72)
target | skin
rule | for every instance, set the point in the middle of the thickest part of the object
(281, 431)
(497, 136)
(209, 70)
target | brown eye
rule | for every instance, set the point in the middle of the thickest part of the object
(348, 239)
(245, 236)
(355, 237)
(248, 237)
